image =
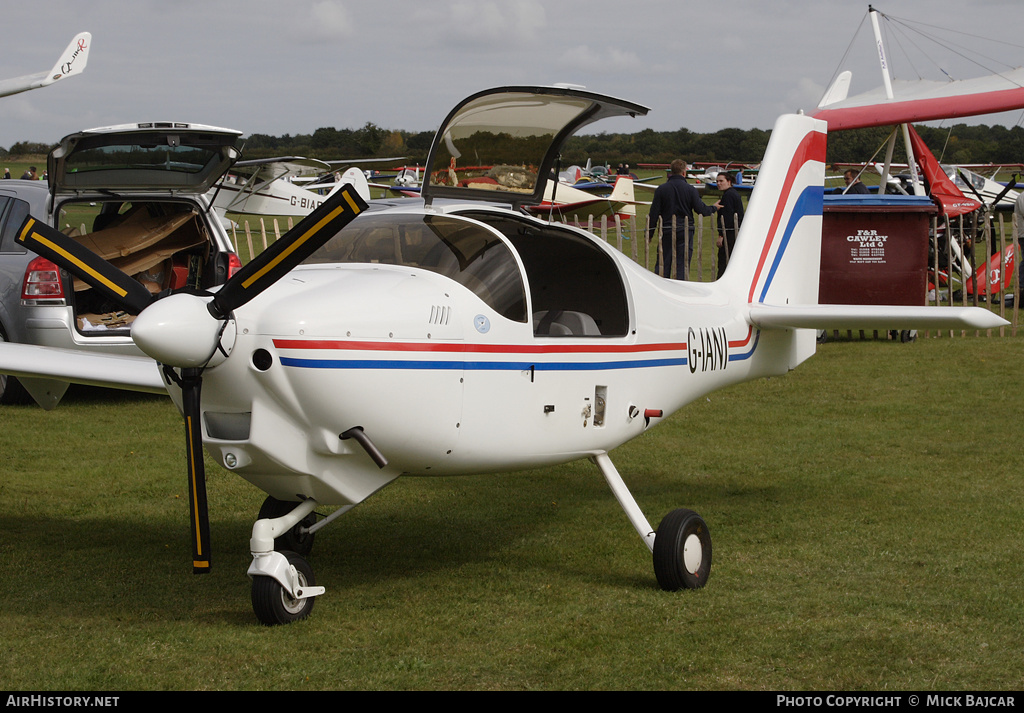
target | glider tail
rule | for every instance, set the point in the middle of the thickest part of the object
(73, 60)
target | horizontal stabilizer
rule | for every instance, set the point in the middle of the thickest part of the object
(107, 370)
(872, 317)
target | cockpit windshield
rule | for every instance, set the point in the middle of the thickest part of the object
(461, 250)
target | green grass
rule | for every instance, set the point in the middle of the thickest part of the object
(865, 510)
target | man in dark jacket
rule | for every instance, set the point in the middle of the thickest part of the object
(676, 198)
(853, 183)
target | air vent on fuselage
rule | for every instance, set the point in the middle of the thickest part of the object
(440, 315)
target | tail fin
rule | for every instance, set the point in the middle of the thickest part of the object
(73, 60)
(777, 258)
(357, 179)
(623, 193)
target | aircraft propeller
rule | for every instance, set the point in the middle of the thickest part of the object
(989, 206)
(183, 330)
(1006, 189)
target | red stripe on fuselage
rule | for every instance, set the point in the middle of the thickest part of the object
(461, 347)
(811, 148)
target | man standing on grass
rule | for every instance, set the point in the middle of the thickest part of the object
(676, 198)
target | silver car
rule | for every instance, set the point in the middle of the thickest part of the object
(135, 194)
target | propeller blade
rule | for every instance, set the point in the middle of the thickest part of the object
(970, 185)
(84, 264)
(294, 246)
(191, 386)
(1009, 187)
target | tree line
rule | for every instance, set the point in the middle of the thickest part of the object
(960, 143)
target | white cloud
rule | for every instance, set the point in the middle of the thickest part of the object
(330, 20)
(486, 23)
(605, 60)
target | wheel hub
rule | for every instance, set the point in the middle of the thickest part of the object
(693, 554)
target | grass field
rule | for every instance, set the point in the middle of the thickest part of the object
(866, 511)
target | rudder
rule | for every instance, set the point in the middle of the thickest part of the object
(777, 258)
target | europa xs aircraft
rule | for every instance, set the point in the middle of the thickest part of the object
(72, 61)
(457, 334)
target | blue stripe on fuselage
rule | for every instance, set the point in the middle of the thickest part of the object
(476, 365)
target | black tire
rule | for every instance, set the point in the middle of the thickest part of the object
(682, 551)
(272, 603)
(293, 540)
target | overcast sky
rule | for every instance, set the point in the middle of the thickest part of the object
(290, 67)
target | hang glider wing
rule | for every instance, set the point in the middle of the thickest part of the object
(72, 61)
(924, 100)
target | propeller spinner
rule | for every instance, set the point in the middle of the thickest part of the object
(183, 329)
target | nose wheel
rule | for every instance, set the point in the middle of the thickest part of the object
(283, 586)
(276, 604)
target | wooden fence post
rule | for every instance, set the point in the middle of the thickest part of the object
(248, 237)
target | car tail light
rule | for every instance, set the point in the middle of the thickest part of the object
(42, 283)
(234, 264)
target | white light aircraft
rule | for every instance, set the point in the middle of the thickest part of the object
(265, 187)
(992, 193)
(456, 334)
(268, 186)
(71, 62)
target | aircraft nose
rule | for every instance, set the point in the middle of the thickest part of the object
(178, 331)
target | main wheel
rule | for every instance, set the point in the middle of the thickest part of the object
(295, 540)
(682, 551)
(273, 604)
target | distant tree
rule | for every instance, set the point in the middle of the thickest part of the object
(24, 148)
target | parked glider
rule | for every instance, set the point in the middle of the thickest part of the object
(456, 335)
(71, 62)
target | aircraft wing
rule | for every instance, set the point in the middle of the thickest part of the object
(112, 371)
(72, 61)
(872, 317)
(923, 100)
(271, 169)
(344, 163)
